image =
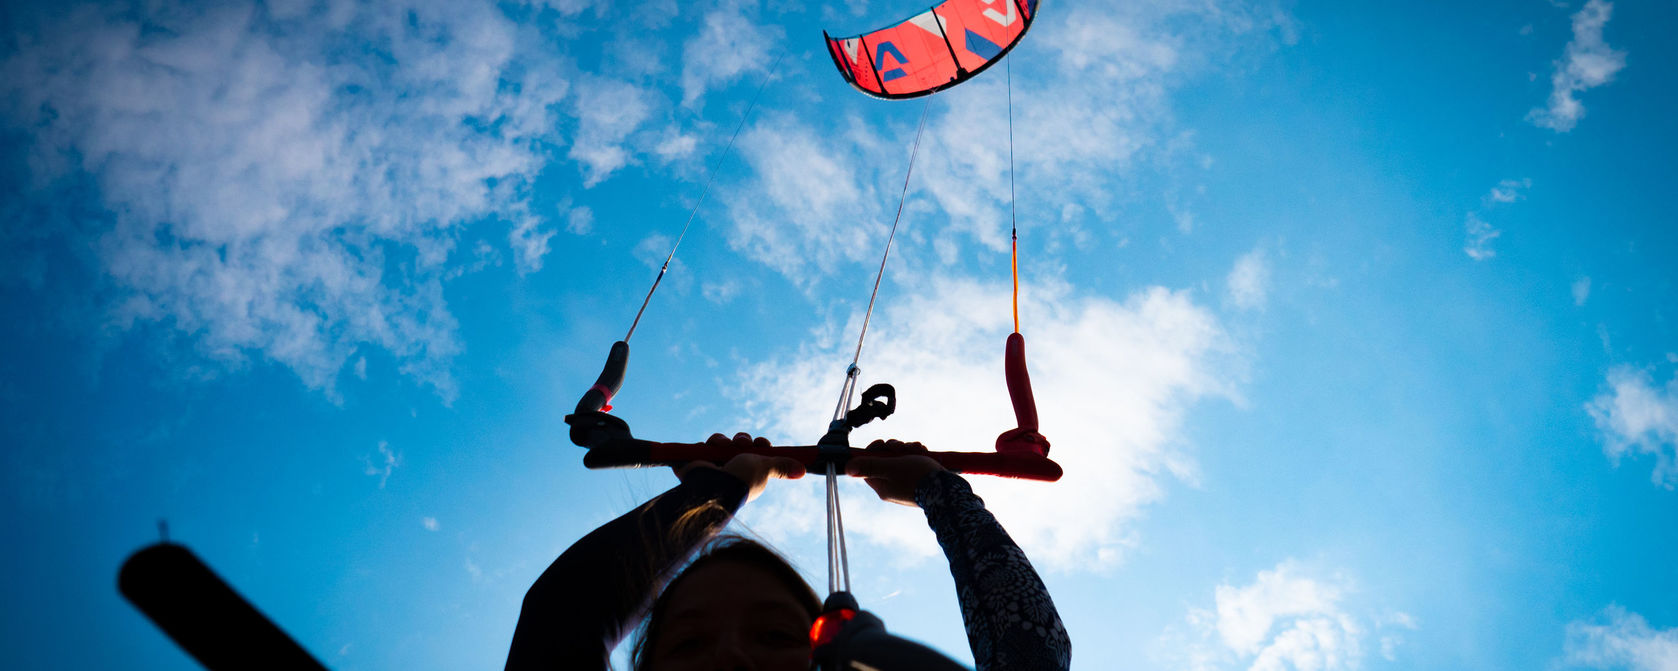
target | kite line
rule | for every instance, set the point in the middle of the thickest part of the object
(715, 163)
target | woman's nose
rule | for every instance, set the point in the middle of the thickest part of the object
(730, 654)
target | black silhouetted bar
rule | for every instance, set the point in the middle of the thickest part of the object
(204, 616)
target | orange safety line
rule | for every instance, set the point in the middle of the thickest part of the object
(1014, 257)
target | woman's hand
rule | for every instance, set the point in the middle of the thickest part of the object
(894, 478)
(753, 469)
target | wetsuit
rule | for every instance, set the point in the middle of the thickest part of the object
(595, 593)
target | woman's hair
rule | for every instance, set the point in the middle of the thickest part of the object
(724, 549)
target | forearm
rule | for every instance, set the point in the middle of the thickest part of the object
(1011, 621)
(594, 593)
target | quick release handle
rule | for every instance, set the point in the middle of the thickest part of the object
(599, 397)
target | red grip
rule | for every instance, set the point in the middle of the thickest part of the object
(1022, 465)
(1019, 383)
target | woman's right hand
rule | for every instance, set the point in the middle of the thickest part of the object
(753, 469)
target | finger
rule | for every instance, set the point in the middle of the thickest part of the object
(717, 440)
(895, 446)
(863, 467)
(684, 468)
(786, 468)
(761, 443)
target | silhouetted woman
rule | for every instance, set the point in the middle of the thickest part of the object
(739, 605)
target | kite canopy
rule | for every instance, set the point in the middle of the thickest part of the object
(933, 50)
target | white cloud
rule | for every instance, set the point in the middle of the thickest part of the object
(1587, 63)
(259, 177)
(1287, 618)
(731, 42)
(1249, 281)
(722, 291)
(1581, 290)
(1507, 191)
(1113, 382)
(580, 220)
(1622, 640)
(564, 7)
(676, 146)
(608, 111)
(1480, 236)
(386, 463)
(807, 205)
(529, 242)
(1247, 615)
(1637, 418)
(430, 524)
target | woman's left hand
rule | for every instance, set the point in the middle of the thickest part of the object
(894, 478)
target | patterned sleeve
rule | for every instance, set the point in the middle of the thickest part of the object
(1012, 625)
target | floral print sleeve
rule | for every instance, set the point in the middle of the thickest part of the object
(1012, 625)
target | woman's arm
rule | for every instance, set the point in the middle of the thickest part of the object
(596, 592)
(1011, 621)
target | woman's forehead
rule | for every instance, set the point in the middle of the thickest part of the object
(731, 584)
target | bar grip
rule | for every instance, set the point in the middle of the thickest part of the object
(634, 453)
(606, 386)
(1019, 383)
(203, 615)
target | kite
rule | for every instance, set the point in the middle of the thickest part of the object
(934, 50)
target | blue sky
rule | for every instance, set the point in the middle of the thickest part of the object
(1352, 325)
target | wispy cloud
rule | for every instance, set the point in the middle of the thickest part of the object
(1289, 617)
(1248, 283)
(1581, 291)
(809, 203)
(1637, 417)
(382, 465)
(580, 220)
(1480, 233)
(260, 176)
(607, 110)
(732, 41)
(1113, 381)
(1618, 639)
(1507, 191)
(1587, 63)
(1480, 236)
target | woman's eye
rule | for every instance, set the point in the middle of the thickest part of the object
(680, 645)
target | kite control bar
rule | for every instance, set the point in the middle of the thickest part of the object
(611, 445)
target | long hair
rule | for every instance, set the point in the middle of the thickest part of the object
(724, 548)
